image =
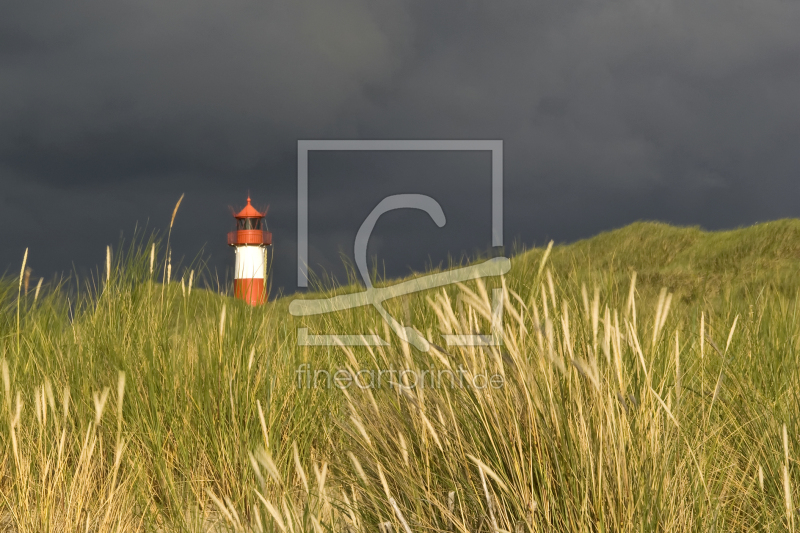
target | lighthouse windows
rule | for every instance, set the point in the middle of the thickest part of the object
(248, 223)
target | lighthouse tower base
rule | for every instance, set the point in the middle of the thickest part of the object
(248, 283)
(250, 290)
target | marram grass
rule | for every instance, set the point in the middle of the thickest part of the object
(647, 381)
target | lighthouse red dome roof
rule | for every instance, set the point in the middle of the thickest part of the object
(249, 211)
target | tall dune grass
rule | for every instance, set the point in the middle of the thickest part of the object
(621, 401)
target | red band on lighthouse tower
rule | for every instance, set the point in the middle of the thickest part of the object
(250, 241)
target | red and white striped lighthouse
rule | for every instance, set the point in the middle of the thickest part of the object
(250, 241)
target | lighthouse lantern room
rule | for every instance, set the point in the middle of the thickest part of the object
(249, 241)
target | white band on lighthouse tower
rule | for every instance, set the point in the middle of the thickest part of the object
(249, 262)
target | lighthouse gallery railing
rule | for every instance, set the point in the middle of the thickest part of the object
(249, 236)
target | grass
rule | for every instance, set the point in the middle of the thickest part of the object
(648, 381)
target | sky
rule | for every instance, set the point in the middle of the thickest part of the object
(610, 111)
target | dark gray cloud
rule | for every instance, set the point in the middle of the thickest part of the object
(610, 111)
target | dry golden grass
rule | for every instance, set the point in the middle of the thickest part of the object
(624, 406)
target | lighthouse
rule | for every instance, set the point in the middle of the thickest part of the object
(250, 241)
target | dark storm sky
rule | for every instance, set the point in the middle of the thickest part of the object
(610, 111)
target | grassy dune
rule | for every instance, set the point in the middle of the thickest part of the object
(648, 381)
